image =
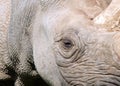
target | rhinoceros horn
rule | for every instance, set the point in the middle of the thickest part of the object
(110, 19)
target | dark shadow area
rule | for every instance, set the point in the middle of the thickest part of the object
(6, 83)
(29, 82)
(36, 82)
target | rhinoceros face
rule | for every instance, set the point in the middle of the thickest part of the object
(89, 61)
(70, 51)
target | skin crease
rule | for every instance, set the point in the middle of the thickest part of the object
(41, 23)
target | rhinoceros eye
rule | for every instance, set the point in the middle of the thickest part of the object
(67, 43)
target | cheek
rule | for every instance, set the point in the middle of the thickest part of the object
(88, 72)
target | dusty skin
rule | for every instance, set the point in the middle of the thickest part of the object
(66, 42)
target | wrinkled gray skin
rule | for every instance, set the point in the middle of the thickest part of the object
(19, 63)
(12, 70)
(67, 48)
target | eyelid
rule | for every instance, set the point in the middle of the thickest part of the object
(58, 38)
(66, 33)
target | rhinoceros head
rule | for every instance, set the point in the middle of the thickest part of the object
(70, 48)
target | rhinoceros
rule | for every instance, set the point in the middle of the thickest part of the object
(8, 72)
(64, 42)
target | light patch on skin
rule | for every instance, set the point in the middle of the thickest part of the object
(100, 20)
